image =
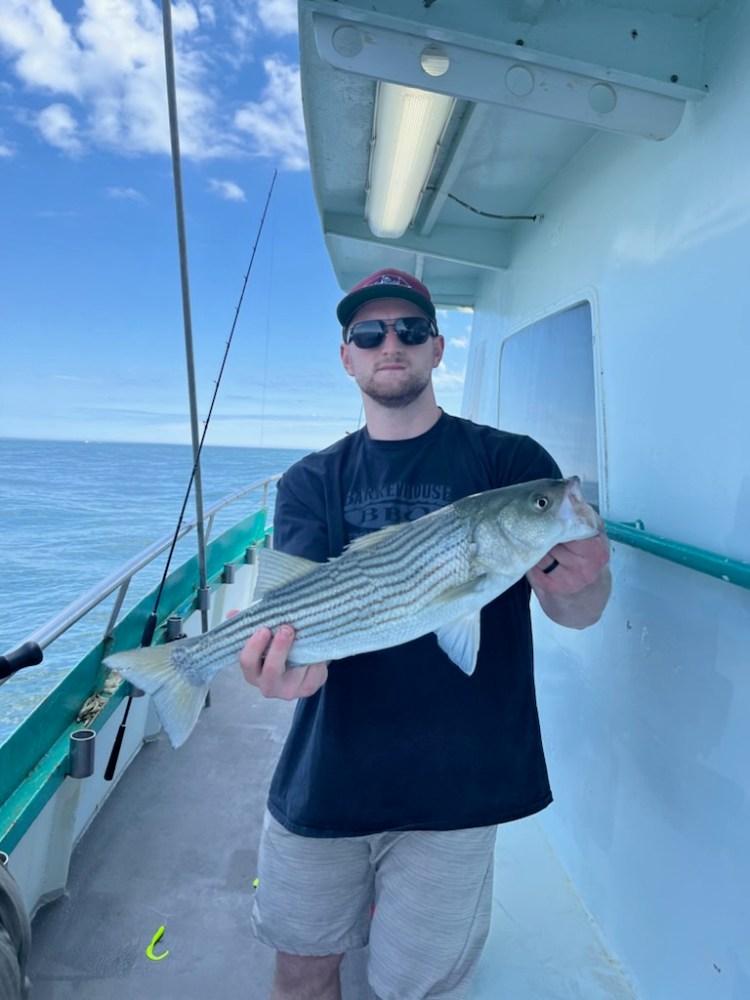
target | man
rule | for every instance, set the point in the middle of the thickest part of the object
(383, 809)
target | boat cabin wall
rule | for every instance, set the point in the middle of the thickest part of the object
(646, 715)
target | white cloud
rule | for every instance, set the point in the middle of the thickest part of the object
(275, 122)
(461, 342)
(110, 61)
(6, 148)
(105, 65)
(41, 42)
(447, 380)
(125, 193)
(206, 12)
(59, 127)
(55, 213)
(278, 16)
(227, 190)
(444, 314)
(242, 27)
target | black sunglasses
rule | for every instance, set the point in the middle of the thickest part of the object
(410, 330)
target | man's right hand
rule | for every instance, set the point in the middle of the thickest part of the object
(263, 662)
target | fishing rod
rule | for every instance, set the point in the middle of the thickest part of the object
(197, 441)
(151, 623)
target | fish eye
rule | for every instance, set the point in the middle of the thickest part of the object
(541, 502)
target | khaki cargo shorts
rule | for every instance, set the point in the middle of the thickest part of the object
(420, 899)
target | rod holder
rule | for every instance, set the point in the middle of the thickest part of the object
(81, 753)
(4, 859)
(174, 628)
(229, 572)
(250, 555)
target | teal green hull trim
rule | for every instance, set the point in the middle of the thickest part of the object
(28, 800)
(701, 560)
(33, 760)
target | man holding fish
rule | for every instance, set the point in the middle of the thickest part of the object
(398, 766)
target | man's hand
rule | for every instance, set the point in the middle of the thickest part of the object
(576, 590)
(263, 662)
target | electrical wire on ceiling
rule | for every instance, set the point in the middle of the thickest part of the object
(492, 215)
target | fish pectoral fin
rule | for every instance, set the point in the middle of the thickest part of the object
(460, 641)
(463, 589)
(277, 568)
(374, 537)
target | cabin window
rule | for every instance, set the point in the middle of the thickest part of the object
(547, 391)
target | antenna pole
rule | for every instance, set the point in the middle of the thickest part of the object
(198, 439)
(187, 321)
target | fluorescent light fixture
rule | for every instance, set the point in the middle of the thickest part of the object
(408, 127)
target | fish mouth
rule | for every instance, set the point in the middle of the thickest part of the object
(573, 490)
(575, 509)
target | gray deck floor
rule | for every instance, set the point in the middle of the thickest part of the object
(176, 845)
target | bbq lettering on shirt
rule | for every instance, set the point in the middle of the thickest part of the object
(372, 508)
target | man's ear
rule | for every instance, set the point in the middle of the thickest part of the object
(346, 359)
(438, 347)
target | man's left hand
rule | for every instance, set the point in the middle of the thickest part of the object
(577, 584)
(578, 565)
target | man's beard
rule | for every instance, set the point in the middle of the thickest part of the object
(397, 396)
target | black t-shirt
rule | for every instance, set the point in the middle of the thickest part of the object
(401, 739)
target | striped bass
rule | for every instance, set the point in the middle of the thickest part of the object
(434, 574)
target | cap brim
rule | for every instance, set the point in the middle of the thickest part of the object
(352, 302)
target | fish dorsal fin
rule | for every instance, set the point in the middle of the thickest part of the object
(460, 641)
(373, 538)
(277, 568)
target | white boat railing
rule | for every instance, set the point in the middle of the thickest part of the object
(120, 580)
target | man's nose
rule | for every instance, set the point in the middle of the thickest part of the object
(390, 336)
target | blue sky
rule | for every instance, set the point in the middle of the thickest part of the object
(90, 308)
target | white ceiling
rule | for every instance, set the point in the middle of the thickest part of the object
(500, 150)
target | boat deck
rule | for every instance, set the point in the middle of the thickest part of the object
(176, 846)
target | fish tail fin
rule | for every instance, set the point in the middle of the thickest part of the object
(155, 670)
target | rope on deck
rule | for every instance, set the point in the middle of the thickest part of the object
(15, 940)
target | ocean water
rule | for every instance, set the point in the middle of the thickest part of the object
(72, 513)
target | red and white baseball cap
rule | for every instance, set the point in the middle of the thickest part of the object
(389, 283)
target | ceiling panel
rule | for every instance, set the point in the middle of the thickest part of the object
(500, 151)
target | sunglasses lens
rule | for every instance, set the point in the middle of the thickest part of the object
(413, 330)
(369, 333)
(410, 330)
